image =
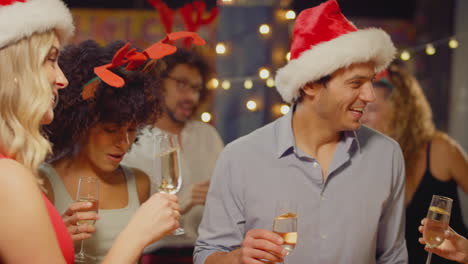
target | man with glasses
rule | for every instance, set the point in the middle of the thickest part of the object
(184, 76)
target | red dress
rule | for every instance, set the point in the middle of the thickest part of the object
(61, 232)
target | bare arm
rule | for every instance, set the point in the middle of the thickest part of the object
(458, 165)
(450, 161)
(20, 202)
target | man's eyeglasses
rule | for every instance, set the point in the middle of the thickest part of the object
(184, 85)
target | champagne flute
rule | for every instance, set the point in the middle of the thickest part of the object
(88, 191)
(167, 164)
(438, 218)
(285, 223)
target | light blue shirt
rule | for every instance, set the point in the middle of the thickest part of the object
(355, 216)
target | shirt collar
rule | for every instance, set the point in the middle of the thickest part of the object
(285, 136)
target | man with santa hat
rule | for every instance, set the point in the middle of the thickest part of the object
(347, 179)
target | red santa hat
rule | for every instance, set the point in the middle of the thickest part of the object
(324, 41)
(22, 18)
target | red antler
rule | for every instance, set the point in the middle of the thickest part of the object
(193, 23)
(135, 59)
(165, 13)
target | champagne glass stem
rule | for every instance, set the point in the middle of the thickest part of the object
(429, 257)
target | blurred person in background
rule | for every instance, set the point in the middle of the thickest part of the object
(184, 76)
(434, 162)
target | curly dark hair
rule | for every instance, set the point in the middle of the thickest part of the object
(164, 66)
(138, 101)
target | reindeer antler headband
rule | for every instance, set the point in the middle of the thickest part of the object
(134, 59)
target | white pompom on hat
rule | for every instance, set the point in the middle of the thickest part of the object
(22, 18)
(324, 41)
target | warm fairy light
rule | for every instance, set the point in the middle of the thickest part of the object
(248, 84)
(405, 55)
(213, 84)
(264, 29)
(220, 48)
(453, 43)
(206, 117)
(430, 50)
(227, 1)
(288, 56)
(270, 82)
(290, 14)
(226, 85)
(264, 73)
(251, 105)
(284, 109)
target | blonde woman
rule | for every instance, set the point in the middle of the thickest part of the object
(435, 163)
(32, 231)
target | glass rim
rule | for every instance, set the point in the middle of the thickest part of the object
(442, 197)
(88, 178)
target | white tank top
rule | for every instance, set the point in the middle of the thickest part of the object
(111, 222)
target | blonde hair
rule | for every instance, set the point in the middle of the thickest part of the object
(25, 97)
(411, 123)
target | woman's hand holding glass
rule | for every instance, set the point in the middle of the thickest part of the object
(437, 222)
(157, 217)
(79, 211)
(88, 192)
(454, 247)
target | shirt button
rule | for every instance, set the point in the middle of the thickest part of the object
(323, 236)
(315, 164)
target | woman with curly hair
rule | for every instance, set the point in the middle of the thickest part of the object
(435, 163)
(92, 130)
(32, 231)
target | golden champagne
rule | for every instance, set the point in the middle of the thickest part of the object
(285, 225)
(94, 207)
(437, 223)
(170, 172)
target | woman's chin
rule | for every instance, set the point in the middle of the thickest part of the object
(48, 117)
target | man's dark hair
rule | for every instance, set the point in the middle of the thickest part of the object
(323, 81)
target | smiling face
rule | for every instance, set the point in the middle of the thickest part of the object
(182, 92)
(340, 102)
(55, 78)
(107, 144)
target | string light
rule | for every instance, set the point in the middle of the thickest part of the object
(251, 105)
(405, 55)
(220, 48)
(453, 43)
(248, 84)
(213, 83)
(430, 50)
(270, 82)
(264, 73)
(284, 109)
(264, 29)
(226, 85)
(290, 15)
(206, 117)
